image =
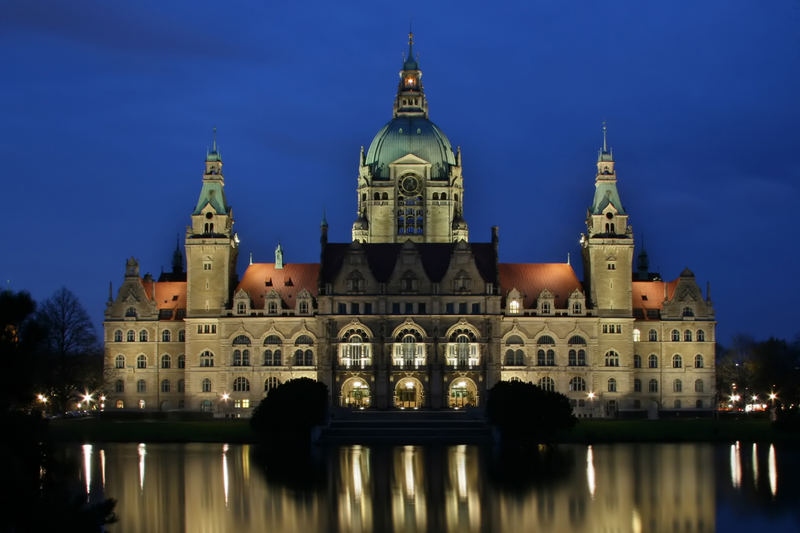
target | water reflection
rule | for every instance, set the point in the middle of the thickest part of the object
(212, 487)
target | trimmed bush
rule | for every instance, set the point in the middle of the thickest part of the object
(523, 411)
(290, 410)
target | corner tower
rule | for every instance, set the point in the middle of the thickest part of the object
(211, 246)
(608, 244)
(409, 181)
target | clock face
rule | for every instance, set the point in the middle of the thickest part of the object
(409, 184)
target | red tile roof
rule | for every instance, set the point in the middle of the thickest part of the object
(532, 278)
(169, 295)
(261, 278)
(650, 294)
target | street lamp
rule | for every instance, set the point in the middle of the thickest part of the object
(225, 398)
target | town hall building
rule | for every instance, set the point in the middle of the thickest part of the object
(412, 313)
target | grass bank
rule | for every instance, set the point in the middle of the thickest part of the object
(586, 432)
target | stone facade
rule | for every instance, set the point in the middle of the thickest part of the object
(410, 314)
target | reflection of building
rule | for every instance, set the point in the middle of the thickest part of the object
(410, 313)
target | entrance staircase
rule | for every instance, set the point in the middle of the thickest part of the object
(407, 426)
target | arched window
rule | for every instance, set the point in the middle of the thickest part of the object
(130, 336)
(577, 339)
(271, 383)
(206, 385)
(141, 386)
(462, 350)
(545, 339)
(652, 336)
(577, 384)
(676, 335)
(303, 340)
(241, 384)
(241, 357)
(241, 340)
(637, 385)
(612, 385)
(272, 357)
(182, 336)
(272, 339)
(166, 362)
(677, 361)
(118, 336)
(637, 335)
(509, 357)
(181, 386)
(677, 386)
(687, 335)
(637, 361)
(206, 359)
(181, 361)
(166, 336)
(546, 358)
(581, 357)
(143, 336)
(698, 385)
(577, 358)
(141, 361)
(376, 196)
(165, 385)
(119, 361)
(547, 383)
(698, 361)
(687, 311)
(119, 386)
(443, 196)
(514, 339)
(701, 335)
(612, 358)
(513, 307)
(652, 386)
(302, 358)
(519, 358)
(652, 361)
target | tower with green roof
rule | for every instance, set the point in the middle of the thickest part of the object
(211, 245)
(409, 180)
(608, 244)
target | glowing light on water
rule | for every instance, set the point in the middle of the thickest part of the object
(636, 522)
(590, 482)
(142, 450)
(103, 467)
(461, 470)
(773, 471)
(736, 465)
(87, 466)
(755, 465)
(408, 470)
(225, 471)
(357, 477)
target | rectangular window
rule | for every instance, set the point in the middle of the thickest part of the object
(396, 308)
(476, 309)
(462, 308)
(421, 308)
(354, 308)
(368, 308)
(450, 308)
(342, 308)
(409, 308)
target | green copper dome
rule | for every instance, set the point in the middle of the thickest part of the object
(410, 135)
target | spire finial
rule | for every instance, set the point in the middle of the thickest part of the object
(214, 144)
(251, 258)
(568, 258)
(605, 131)
(324, 218)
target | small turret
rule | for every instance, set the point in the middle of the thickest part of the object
(279, 256)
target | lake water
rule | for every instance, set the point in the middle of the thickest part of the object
(601, 488)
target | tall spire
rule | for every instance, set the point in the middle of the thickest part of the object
(605, 154)
(410, 100)
(213, 154)
(177, 257)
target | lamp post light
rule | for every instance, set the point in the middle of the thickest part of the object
(591, 397)
(225, 398)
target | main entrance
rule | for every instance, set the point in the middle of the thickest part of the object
(355, 394)
(463, 393)
(408, 394)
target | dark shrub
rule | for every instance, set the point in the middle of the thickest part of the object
(523, 411)
(290, 410)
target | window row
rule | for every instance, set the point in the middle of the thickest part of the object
(677, 361)
(244, 340)
(141, 361)
(270, 358)
(144, 336)
(578, 384)
(675, 335)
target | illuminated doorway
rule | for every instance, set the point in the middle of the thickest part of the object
(408, 394)
(355, 394)
(463, 393)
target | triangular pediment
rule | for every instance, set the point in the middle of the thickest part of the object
(409, 159)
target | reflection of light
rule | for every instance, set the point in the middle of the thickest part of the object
(246, 462)
(636, 523)
(736, 466)
(773, 471)
(142, 449)
(357, 480)
(408, 469)
(103, 467)
(87, 466)
(755, 465)
(590, 470)
(225, 471)
(461, 470)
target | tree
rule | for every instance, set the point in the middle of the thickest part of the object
(70, 360)
(290, 410)
(18, 340)
(524, 412)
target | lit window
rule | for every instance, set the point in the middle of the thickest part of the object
(513, 307)
(637, 335)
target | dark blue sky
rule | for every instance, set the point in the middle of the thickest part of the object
(108, 107)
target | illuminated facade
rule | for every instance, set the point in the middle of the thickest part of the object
(410, 314)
